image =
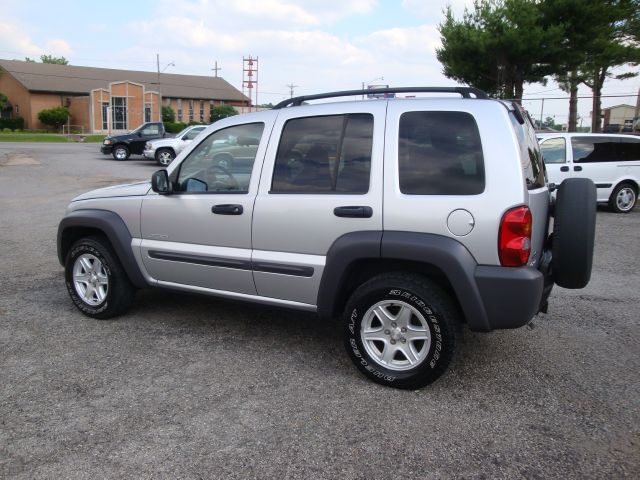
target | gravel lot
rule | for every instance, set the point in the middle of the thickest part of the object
(195, 387)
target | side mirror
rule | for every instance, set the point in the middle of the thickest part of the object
(160, 183)
(139, 134)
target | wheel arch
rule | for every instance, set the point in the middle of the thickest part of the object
(93, 222)
(356, 257)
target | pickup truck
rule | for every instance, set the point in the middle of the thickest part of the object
(121, 146)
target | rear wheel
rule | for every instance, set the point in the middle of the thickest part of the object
(623, 198)
(95, 279)
(164, 156)
(120, 152)
(400, 330)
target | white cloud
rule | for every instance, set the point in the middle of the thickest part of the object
(433, 9)
(57, 46)
(14, 38)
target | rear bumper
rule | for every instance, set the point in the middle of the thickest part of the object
(106, 149)
(512, 296)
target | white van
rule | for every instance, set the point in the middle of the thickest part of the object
(611, 161)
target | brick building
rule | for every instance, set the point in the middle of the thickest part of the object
(103, 100)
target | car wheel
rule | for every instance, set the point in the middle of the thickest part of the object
(400, 330)
(164, 156)
(574, 228)
(623, 198)
(120, 152)
(95, 279)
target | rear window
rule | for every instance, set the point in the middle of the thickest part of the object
(440, 153)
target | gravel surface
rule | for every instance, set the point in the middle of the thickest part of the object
(195, 387)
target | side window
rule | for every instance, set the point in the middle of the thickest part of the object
(222, 162)
(629, 149)
(594, 149)
(151, 130)
(554, 150)
(328, 154)
(191, 134)
(440, 153)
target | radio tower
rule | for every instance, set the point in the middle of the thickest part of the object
(250, 79)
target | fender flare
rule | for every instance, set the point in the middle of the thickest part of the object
(113, 227)
(444, 253)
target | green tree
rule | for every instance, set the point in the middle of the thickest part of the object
(498, 46)
(596, 36)
(168, 115)
(3, 100)
(54, 117)
(50, 59)
(222, 111)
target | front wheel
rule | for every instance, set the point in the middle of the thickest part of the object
(95, 279)
(400, 330)
(623, 198)
(120, 152)
(164, 157)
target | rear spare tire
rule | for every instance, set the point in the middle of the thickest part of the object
(574, 229)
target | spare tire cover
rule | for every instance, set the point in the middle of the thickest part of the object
(574, 229)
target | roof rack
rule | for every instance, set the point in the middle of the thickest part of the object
(465, 92)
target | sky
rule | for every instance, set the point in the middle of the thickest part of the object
(315, 45)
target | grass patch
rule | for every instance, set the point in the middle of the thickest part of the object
(47, 137)
(32, 137)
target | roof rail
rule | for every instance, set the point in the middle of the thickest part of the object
(465, 92)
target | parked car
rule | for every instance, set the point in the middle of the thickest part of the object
(122, 146)
(611, 161)
(402, 217)
(164, 150)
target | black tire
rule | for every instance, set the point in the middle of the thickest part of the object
(430, 310)
(574, 230)
(164, 156)
(623, 198)
(119, 292)
(120, 152)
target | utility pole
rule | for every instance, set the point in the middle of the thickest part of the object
(636, 115)
(291, 87)
(159, 94)
(215, 69)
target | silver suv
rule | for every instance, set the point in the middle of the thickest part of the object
(404, 217)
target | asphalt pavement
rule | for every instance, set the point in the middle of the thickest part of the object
(193, 387)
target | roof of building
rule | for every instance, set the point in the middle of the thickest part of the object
(618, 106)
(70, 79)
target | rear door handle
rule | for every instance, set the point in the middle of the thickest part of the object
(227, 209)
(353, 211)
(564, 169)
(577, 169)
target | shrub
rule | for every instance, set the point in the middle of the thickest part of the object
(168, 115)
(172, 127)
(222, 111)
(12, 123)
(54, 117)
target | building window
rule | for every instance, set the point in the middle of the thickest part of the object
(179, 104)
(190, 110)
(105, 115)
(147, 112)
(119, 113)
(201, 111)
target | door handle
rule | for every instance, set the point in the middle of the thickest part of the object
(577, 169)
(354, 211)
(227, 209)
(564, 169)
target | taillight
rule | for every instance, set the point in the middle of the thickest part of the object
(514, 240)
